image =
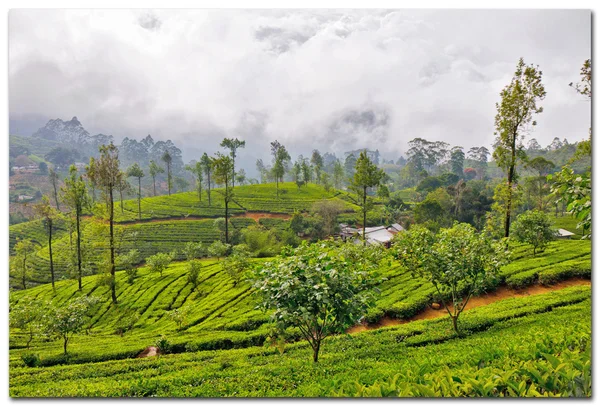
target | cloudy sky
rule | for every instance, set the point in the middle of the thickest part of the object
(333, 80)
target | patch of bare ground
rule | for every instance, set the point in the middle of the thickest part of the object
(501, 293)
(148, 352)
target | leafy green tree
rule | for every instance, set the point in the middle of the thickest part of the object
(328, 211)
(316, 161)
(108, 176)
(576, 191)
(168, 160)
(457, 160)
(366, 175)
(44, 211)
(159, 262)
(218, 249)
(128, 262)
(233, 145)
(123, 187)
(516, 110)
(534, 228)
(20, 263)
(223, 168)
(338, 174)
(43, 167)
(66, 320)
(207, 164)
(280, 159)
(154, 171)
(480, 156)
(306, 172)
(194, 268)
(321, 289)
(236, 264)
(241, 177)
(74, 194)
(179, 316)
(198, 171)
(297, 174)
(136, 172)
(182, 184)
(53, 177)
(193, 250)
(28, 317)
(457, 261)
(349, 165)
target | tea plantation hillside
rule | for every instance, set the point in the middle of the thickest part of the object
(221, 314)
(249, 198)
(168, 222)
(532, 346)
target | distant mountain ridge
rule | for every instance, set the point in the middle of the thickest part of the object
(71, 133)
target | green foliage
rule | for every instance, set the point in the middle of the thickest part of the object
(576, 191)
(534, 228)
(458, 262)
(31, 359)
(164, 345)
(238, 263)
(321, 289)
(159, 262)
(194, 268)
(64, 321)
(218, 249)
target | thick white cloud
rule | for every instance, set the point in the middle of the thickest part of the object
(332, 80)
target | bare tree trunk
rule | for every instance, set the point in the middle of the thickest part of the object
(50, 252)
(154, 184)
(364, 215)
(112, 246)
(140, 198)
(77, 220)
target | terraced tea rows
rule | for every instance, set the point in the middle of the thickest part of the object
(511, 336)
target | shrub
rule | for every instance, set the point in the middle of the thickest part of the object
(31, 360)
(163, 345)
(534, 228)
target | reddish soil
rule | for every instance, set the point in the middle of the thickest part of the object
(255, 215)
(499, 294)
(148, 352)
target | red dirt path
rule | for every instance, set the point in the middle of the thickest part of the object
(502, 292)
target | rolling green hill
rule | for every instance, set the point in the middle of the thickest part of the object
(222, 316)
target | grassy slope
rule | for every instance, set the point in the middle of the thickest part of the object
(174, 222)
(222, 315)
(507, 341)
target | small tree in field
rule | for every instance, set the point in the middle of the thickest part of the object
(24, 249)
(321, 289)
(366, 175)
(128, 262)
(458, 261)
(237, 263)
(193, 250)
(218, 249)
(159, 262)
(194, 267)
(48, 215)
(534, 228)
(28, 317)
(68, 320)
(179, 316)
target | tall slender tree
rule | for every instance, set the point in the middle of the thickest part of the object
(168, 160)
(515, 113)
(280, 158)
(223, 166)
(53, 177)
(154, 171)
(317, 163)
(206, 163)
(109, 176)
(338, 174)
(74, 194)
(233, 145)
(136, 171)
(44, 211)
(366, 175)
(457, 159)
(90, 170)
(196, 169)
(23, 250)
